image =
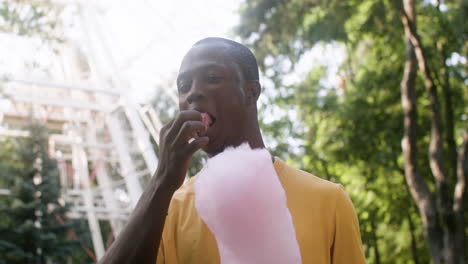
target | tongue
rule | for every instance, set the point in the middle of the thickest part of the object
(206, 119)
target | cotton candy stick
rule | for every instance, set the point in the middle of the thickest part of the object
(240, 198)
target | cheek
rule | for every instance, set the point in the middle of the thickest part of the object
(235, 97)
(233, 114)
(231, 104)
(183, 105)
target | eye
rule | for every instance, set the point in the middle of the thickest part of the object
(213, 79)
(183, 86)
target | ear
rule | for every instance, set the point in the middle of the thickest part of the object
(252, 91)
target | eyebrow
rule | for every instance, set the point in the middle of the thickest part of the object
(185, 74)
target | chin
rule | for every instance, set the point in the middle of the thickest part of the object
(212, 150)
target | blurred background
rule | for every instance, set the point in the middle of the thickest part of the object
(372, 94)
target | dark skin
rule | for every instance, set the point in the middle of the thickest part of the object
(208, 82)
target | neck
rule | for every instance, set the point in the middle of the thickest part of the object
(251, 131)
(250, 134)
(255, 139)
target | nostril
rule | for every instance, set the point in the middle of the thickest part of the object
(194, 97)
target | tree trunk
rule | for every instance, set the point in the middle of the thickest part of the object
(435, 148)
(447, 95)
(418, 187)
(455, 231)
(449, 122)
(414, 248)
(375, 240)
(451, 226)
(459, 197)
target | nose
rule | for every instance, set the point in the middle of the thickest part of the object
(196, 93)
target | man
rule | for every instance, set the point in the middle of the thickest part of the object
(218, 83)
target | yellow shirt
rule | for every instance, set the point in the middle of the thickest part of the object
(324, 219)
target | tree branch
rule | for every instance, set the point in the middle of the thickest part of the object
(460, 197)
(418, 187)
(435, 148)
(444, 82)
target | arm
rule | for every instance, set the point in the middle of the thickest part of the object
(139, 240)
(347, 246)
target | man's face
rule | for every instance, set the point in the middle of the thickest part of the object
(211, 83)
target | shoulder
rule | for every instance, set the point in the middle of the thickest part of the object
(182, 207)
(292, 177)
(296, 182)
(331, 195)
(184, 195)
(308, 193)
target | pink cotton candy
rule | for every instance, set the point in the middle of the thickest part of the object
(239, 196)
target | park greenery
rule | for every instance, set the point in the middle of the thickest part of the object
(34, 227)
(393, 130)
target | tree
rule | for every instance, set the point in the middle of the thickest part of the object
(31, 18)
(31, 216)
(440, 230)
(353, 132)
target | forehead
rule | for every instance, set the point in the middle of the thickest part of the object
(207, 56)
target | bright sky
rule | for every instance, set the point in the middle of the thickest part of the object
(146, 38)
(149, 38)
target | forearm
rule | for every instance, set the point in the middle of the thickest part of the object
(139, 240)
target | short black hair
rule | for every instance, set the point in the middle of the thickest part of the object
(239, 53)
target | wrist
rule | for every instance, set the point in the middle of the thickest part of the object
(161, 184)
(167, 180)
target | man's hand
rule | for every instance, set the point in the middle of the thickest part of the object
(139, 240)
(176, 149)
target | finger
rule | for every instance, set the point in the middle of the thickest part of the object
(167, 126)
(190, 129)
(184, 116)
(197, 144)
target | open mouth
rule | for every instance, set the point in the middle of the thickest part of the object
(208, 119)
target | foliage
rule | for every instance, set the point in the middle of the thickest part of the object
(31, 18)
(30, 231)
(352, 131)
